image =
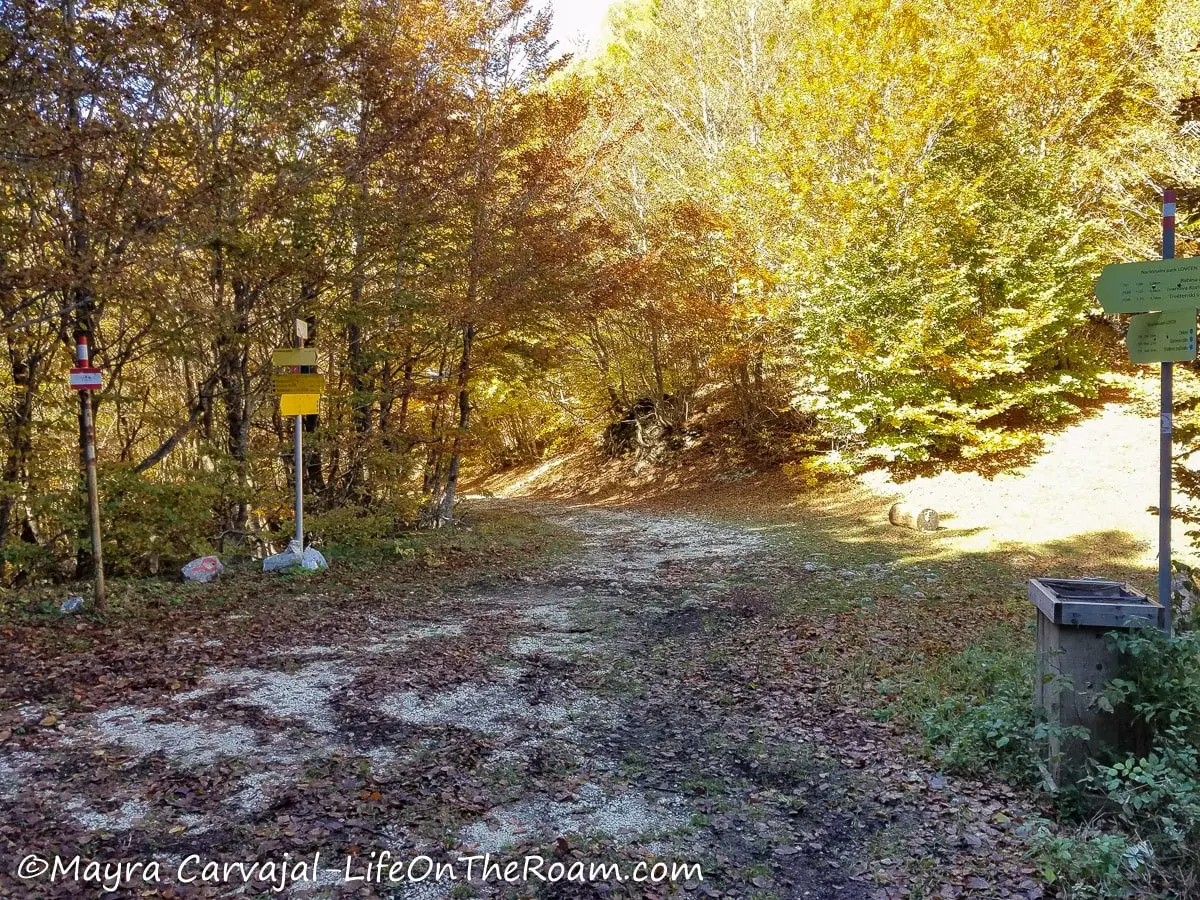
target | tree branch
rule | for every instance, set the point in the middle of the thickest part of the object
(182, 431)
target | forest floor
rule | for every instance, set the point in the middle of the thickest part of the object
(654, 692)
(578, 682)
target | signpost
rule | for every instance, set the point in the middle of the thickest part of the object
(299, 404)
(1145, 286)
(299, 384)
(300, 356)
(84, 378)
(1166, 404)
(299, 395)
(1170, 288)
(1162, 337)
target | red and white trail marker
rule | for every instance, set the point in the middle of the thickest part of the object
(86, 378)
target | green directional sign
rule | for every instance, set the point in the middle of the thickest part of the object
(1164, 284)
(1162, 337)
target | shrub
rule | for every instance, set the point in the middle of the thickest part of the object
(358, 530)
(1161, 681)
(1091, 863)
(976, 710)
(148, 524)
(1158, 795)
(996, 730)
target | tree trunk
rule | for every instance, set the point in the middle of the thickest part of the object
(656, 358)
(354, 480)
(406, 390)
(432, 483)
(446, 507)
(19, 434)
(233, 357)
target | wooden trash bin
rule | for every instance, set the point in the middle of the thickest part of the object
(1075, 662)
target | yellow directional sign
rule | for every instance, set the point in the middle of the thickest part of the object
(299, 404)
(299, 384)
(1162, 337)
(302, 356)
(1165, 284)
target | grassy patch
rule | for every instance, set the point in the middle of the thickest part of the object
(486, 534)
(490, 542)
(975, 707)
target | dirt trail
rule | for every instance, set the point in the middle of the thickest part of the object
(642, 700)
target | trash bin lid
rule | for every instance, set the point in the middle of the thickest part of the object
(1093, 602)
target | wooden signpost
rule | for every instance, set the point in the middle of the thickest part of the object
(299, 395)
(85, 378)
(1170, 291)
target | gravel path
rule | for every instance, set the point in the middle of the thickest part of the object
(642, 701)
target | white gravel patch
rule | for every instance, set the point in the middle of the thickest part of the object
(253, 796)
(425, 890)
(381, 757)
(131, 727)
(196, 824)
(314, 650)
(325, 882)
(508, 674)
(31, 711)
(552, 644)
(12, 778)
(550, 616)
(302, 695)
(493, 709)
(131, 813)
(632, 547)
(628, 815)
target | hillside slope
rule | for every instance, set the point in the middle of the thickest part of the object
(1085, 499)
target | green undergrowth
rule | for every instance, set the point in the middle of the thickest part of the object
(1130, 825)
(486, 542)
(480, 535)
(974, 708)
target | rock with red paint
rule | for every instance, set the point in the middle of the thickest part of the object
(203, 570)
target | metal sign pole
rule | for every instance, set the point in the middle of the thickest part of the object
(301, 334)
(1165, 409)
(89, 463)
